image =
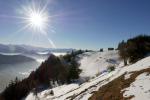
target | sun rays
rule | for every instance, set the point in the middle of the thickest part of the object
(34, 17)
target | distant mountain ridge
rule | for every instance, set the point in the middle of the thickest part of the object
(11, 48)
(13, 59)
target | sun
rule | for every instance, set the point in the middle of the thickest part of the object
(36, 18)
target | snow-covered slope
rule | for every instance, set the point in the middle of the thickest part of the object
(85, 90)
(93, 63)
(140, 88)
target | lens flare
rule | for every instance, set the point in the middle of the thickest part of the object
(36, 18)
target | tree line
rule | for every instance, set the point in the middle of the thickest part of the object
(134, 49)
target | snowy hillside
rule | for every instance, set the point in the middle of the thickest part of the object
(93, 62)
(97, 62)
(140, 88)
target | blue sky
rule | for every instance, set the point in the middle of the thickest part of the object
(90, 24)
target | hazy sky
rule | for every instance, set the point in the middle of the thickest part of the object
(91, 24)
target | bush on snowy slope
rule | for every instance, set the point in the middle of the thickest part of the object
(111, 68)
(135, 48)
(101, 50)
(53, 70)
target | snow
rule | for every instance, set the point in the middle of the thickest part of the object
(140, 88)
(127, 76)
(142, 64)
(60, 90)
(31, 96)
(91, 63)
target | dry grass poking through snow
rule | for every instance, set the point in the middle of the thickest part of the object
(112, 90)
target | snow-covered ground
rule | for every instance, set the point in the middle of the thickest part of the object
(91, 63)
(140, 88)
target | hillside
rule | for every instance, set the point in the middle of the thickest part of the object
(96, 88)
(130, 82)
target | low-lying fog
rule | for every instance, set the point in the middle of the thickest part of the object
(9, 72)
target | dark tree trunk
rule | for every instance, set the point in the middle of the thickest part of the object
(125, 62)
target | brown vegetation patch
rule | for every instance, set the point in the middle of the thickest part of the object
(112, 90)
